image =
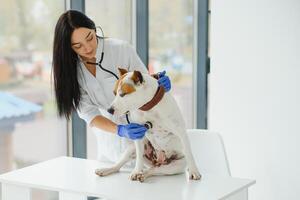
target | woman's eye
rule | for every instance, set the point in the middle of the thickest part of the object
(78, 47)
(90, 39)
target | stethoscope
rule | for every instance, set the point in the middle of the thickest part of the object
(148, 125)
(102, 56)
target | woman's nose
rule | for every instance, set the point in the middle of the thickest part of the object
(88, 49)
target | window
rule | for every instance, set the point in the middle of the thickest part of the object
(30, 130)
(171, 49)
(114, 16)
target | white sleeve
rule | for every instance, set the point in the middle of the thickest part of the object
(135, 62)
(86, 109)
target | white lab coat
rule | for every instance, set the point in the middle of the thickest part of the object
(97, 92)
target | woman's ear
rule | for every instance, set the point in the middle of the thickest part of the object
(137, 77)
(122, 71)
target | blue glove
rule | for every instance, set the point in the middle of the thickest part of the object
(164, 81)
(132, 131)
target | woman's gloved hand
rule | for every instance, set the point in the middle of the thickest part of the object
(164, 81)
(132, 131)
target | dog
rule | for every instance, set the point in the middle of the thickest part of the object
(165, 149)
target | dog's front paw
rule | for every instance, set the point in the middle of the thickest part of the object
(194, 174)
(137, 176)
(105, 171)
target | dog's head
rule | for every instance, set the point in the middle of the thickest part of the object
(132, 91)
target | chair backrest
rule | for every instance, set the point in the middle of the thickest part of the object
(209, 152)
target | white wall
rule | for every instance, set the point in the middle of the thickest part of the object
(254, 92)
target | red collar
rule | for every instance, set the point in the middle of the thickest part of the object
(155, 100)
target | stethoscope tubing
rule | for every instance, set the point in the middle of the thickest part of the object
(100, 65)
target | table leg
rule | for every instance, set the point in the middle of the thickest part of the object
(6, 152)
(13, 192)
(241, 195)
(71, 196)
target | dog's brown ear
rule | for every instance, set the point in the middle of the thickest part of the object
(137, 77)
(116, 87)
(122, 71)
(155, 76)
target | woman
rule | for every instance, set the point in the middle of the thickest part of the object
(81, 85)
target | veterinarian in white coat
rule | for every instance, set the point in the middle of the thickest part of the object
(97, 92)
(83, 86)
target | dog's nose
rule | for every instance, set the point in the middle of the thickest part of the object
(111, 110)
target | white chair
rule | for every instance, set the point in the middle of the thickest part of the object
(209, 152)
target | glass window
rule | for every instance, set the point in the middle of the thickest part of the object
(114, 16)
(30, 130)
(171, 49)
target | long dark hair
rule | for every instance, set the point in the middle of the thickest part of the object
(65, 60)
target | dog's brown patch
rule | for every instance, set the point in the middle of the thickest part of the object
(122, 71)
(157, 158)
(127, 89)
(137, 77)
(119, 81)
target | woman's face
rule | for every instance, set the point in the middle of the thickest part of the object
(84, 42)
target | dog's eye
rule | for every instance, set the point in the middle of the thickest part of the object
(122, 94)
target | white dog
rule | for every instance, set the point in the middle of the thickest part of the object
(165, 149)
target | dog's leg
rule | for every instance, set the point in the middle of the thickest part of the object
(126, 156)
(181, 133)
(192, 168)
(137, 173)
(174, 167)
